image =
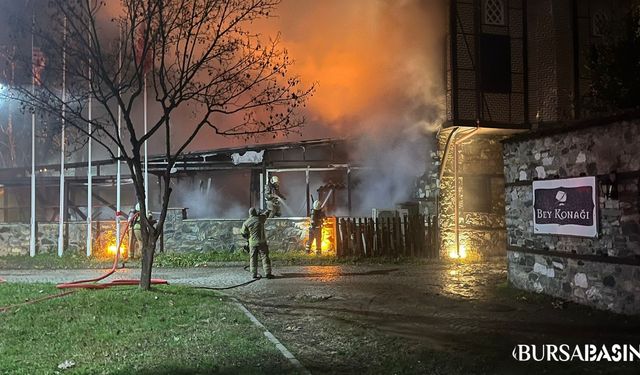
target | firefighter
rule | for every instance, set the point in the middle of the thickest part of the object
(273, 197)
(136, 227)
(135, 235)
(315, 227)
(253, 230)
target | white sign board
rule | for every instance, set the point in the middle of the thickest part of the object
(568, 206)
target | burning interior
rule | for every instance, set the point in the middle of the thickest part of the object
(211, 185)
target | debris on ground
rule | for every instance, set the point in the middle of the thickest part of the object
(67, 364)
(313, 297)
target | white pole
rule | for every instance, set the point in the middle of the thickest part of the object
(118, 171)
(89, 171)
(146, 164)
(32, 237)
(62, 141)
(262, 191)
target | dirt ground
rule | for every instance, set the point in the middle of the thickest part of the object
(440, 318)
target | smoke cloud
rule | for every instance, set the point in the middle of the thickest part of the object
(214, 196)
(378, 68)
(378, 65)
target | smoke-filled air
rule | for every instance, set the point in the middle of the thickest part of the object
(378, 69)
(378, 64)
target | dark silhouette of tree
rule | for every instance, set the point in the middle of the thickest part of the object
(195, 56)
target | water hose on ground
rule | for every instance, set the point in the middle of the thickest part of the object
(93, 283)
(30, 302)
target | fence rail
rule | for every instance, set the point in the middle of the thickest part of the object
(388, 237)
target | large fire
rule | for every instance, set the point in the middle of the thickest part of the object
(327, 246)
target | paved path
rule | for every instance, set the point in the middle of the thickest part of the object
(321, 313)
(464, 281)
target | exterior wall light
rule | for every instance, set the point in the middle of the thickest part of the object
(609, 186)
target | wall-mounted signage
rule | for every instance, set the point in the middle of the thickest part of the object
(567, 206)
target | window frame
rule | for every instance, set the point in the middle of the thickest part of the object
(485, 13)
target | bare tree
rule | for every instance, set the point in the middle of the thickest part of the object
(199, 56)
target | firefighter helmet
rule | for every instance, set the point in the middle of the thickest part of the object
(274, 179)
(316, 205)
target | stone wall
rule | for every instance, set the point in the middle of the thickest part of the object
(14, 237)
(614, 287)
(285, 234)
(426, 191)
(603, 271)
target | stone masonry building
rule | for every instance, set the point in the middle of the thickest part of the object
(516, 70)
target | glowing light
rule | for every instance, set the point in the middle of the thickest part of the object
(458, 254)
(112, 249)
(323, 273)
(463, 252)
(326, 242)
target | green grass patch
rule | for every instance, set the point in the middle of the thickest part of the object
(53, 261)
(170, 330)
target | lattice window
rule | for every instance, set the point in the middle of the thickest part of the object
(494, 13)
(599, 24)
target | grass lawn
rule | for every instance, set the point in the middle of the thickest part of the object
(170, 330)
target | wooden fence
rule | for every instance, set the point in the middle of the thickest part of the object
(388, 237)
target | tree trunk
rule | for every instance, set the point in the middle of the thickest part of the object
(147, 266)
(149, 241)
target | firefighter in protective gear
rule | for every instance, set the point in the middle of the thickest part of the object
(135, 236)
(315, 228)
(273, 196)
(253, 230)
(136, 227)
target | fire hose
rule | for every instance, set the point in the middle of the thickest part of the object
(93, 283)
(89, 283)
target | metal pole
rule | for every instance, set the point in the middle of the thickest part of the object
(261, 191)
(349, 190)
(89, 180)
(308, 191)
(146, 164)
(11, 140)
(32, 236)
(62, 141)
(456, 199)
(118, 165)
(89, 171)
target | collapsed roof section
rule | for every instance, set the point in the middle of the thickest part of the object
(319, 153)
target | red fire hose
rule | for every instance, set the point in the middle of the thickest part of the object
(92, 283)
(89, 283)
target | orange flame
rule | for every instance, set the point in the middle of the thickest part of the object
(112, 248)
(328, 234)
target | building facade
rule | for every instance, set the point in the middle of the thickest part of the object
(518, 114)
(512, 66)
